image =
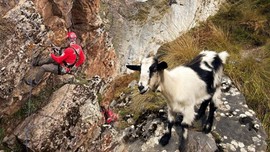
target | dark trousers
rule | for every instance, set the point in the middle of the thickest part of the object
(46, 65)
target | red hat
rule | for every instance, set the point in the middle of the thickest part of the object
(71, 35)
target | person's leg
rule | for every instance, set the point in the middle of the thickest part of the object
(45, 68)
(43, 61)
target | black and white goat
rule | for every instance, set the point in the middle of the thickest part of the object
(197, 82)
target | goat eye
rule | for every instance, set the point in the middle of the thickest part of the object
(152, 69)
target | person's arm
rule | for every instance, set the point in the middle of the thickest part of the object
(60, 59)
(81, 59)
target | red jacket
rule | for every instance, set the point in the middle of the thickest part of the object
(69, 56)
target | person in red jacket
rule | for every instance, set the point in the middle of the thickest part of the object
(70, 59)
(109, 116)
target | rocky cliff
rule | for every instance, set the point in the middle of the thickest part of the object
(140, 27)
(30, 27)
(28, 30)
(63, 112)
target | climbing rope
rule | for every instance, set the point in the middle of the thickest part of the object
(27, 130)
(28, 125)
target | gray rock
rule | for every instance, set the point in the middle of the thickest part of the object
(238, 126)
(146, 26)
(22, 33)
(65, 123)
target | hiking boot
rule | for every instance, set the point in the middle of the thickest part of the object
(35, 60)
(34, 63)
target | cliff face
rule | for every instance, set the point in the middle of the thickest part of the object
(71, 118)
(63, 112)
(140, 27)
(30, 27)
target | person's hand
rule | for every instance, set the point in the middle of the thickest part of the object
(56, 49)
(68, 70)
(73, 69)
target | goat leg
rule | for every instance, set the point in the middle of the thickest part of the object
(208, 125)
(183, 137)
(202, 109)
(164, 140)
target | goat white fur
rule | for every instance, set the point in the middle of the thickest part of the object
(184, 87)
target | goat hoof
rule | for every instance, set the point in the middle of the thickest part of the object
(198, 117)
(164, 140)
(207, 128)
(182, 148)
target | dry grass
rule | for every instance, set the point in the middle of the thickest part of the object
(186, 47)
(120, 84)
(148, 101)
(247, 23)
(179, 51)
(139, 103)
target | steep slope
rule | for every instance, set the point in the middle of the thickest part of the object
(28, 29)
(138, 28)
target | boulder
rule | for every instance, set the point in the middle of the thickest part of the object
(237, 127)
(71, 118)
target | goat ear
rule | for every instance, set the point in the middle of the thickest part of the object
(162, 65)
(134, 67)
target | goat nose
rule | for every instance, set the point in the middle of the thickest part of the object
(140, 87)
